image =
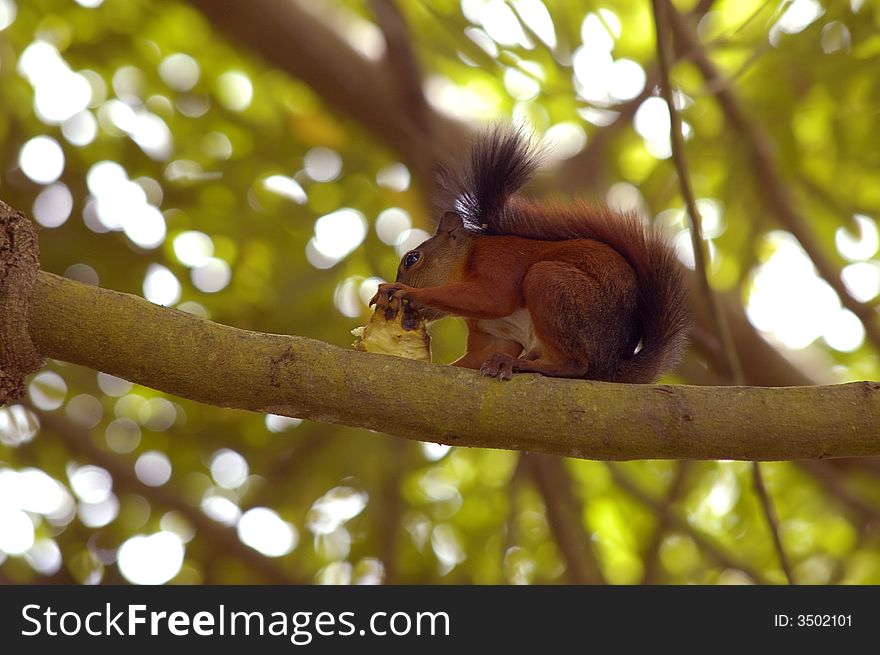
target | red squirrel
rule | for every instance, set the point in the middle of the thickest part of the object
(565, 290)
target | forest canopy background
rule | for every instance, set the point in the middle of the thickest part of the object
(270, 183)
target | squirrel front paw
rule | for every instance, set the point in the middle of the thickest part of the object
(391, 297)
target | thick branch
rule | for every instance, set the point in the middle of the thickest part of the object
(19, 264)
(190, 357)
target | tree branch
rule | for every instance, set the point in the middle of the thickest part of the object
(402, 64)
(705, 542)
(731, 359)
(651, 556)
(181, 354)
(734, 370)
(772, 522)
(564, 517)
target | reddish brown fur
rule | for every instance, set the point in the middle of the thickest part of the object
(594, 282)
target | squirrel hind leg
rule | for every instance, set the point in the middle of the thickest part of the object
(580, 321)
(481, 346)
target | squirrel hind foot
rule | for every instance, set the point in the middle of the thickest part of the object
(503, 366)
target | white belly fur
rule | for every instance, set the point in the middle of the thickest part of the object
(516, 327)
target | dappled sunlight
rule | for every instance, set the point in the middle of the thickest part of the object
(287, 187)
(797, 15)
(122, 204)
(47, 390)
(276, 424)
(391, 223)
(651, 121)
(235, 90)
(220, 508)
(42, 159)
(151, 559)
(563, 141)
(498, 20)
(153, 468)
(863, 245)
(263, 530)
(793, 304)
(334, 508)
(336, 235)
(157, 158)
(161, 286)
(53, 206)
(100, 513)
(322, 164)
(180, 71)
(212, 275)
(229, 469)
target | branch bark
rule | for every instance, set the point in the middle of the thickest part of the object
(181, 354)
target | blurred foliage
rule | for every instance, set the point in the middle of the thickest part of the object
(207, 149)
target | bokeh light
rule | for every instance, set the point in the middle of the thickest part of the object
(153, 468)
(263, 530)
(229, 469)
(179, 71)
(275, 423)
(161, 286)
(334, 508)
(235, 90)
(42, 159)
(336, 235)
(152, 559)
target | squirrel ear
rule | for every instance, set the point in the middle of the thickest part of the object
(451, 221)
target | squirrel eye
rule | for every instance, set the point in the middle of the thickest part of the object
(410, 258)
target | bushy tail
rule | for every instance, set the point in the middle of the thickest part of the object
(483, 191)
(501, 160)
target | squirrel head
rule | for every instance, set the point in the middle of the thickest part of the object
(440, 259)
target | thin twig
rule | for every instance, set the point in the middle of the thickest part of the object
(772, 521)
(705, 542)
(511, 531)
(775, 193)
(662, 8)
(678, 156)
(651, 557)
(563, 514)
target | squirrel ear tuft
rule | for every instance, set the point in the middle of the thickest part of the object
(451, 221)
